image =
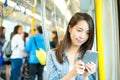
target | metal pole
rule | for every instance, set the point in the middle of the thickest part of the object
(100, 44)
(44, 28)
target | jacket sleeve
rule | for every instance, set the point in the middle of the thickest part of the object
(51, 68)
(28, 46)
(92, 77)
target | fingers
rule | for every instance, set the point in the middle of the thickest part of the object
(90, 67)
(79, 71)
(80, 67)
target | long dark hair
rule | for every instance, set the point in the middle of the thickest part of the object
(66, 42)
(2, 35)
(39, 28)
(56, 36)
(16, 29)
(25, 35)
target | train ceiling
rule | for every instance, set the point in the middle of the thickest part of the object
(52, 10)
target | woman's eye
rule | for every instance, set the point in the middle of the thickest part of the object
(79, 30)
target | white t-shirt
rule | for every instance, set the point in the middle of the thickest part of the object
(17, 46)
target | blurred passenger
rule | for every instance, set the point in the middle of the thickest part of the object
(34, 64)
(64, 63)
(25, 66)
(30, 34)
(54, 41)
(25, 35)
(2, 41)
(7, 61)
(17, 46)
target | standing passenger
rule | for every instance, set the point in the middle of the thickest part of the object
(2, 41)
(63, 63)
(17, 46)
(25, 66)
(35, 66)
(54, 41)
(7, 61)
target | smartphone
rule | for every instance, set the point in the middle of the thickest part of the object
(90, 56)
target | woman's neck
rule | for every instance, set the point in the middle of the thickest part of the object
(73, 50)
(71, 54)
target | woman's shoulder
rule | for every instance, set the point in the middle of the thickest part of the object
(39, 37)
(51, 52)
(17, 36)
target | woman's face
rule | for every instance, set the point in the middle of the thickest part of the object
(4, 30)
(20, 30)
(22, 34)
(36, 31)
(53, 35)
(79, 33)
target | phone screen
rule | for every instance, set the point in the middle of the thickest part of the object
(90, 56)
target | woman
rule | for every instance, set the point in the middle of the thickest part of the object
(7, 61)
(2, 41)
(64, 63)
(54, 41)
(35, 42)
(17, 46)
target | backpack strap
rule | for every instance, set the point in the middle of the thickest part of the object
(35, 43)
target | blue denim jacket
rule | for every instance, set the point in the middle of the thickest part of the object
(55, 70)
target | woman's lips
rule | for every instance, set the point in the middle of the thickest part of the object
(78, 40)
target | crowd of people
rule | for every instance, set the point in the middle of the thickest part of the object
(23, 59)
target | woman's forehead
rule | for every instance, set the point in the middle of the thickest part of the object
(82, 24)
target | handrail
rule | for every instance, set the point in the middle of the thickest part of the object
(33, 5)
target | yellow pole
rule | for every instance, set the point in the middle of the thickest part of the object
(100, 46)
(33, 22)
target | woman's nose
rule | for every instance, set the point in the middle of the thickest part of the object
(82, 35)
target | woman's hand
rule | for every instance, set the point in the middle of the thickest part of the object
(79, 67)
(90, 68)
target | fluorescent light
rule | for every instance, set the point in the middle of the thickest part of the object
(29, 12)
(63, 8)
(61, 5)
(11, 3)
(37, 16)
(22, 9)
(2, 1)
(68, 15)
(33, 5)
